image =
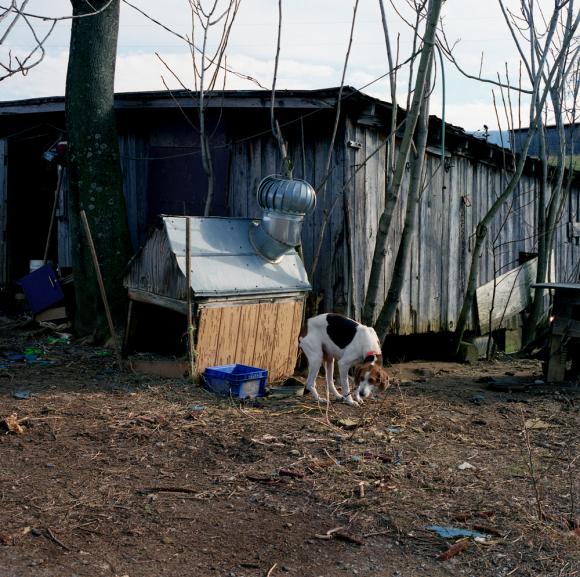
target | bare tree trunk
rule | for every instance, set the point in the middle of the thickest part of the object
(547, 215)
(394, 185)
(544, 78)
(390, 157)
(206, 71)
(480, 235)
(321, 186)
(96, 183)
(276, 132)
(389, 308)
(206, 158)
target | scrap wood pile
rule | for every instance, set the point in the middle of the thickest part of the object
(439, 467)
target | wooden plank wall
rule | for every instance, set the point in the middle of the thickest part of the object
(134, 163)
(4, 273)
(568, 259)
(156, 270)
(262, 335)
(451, 205)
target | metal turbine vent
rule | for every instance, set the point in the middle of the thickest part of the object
(285, 202)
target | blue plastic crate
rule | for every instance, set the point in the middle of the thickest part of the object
(237, 381)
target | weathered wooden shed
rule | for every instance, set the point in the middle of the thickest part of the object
(163, 175)
(247, 282)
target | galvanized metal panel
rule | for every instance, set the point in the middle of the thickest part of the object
(223, 261)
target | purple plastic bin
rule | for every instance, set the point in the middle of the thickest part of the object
(41, 288)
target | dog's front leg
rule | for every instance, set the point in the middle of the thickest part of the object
(343, 376)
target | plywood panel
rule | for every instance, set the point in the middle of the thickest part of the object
(296, 326)
(282, 339)
(208, 337)
(265, 335)
(247, 334)
(228, 335)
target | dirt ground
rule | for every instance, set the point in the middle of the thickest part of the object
(109, 473)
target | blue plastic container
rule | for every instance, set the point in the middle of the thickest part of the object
(237, 381)
(41, 288)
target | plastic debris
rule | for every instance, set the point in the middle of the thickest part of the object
(62, 340)
(455, 532)
(33, 353)
(196, 408)
(103, 353)
(465, 466)
(22, 395)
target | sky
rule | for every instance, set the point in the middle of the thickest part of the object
(315, 37)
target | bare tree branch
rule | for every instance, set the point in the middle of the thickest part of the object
(321, 188)
(287, 163)
(192, 45)
(14, 8)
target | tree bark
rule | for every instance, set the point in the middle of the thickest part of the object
(391, 303)
(96, 183)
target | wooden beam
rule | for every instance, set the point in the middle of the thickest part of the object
(157, 300)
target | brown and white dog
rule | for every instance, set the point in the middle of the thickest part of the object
(330, 336)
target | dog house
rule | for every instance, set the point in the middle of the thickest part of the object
(248, 284)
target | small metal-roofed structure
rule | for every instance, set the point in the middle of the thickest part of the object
(245, 308)
(242, 278)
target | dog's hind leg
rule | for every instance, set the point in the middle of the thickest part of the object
(314, 364)
(329, 372)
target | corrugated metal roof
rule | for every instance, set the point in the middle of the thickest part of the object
(223, 262)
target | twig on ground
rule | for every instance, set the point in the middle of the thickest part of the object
(169, 490)
(56, 540)
(455, 549)
(338, 533)
(531, 468)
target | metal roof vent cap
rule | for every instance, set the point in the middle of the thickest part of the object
(285, 202)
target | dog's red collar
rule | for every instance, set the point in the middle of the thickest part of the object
(372, 354)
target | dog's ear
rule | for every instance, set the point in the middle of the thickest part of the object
(370, 359)
(384, 380)
(358, 373)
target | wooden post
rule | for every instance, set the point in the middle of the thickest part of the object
(100, 281)
(557, 359)
(128, 337)
(190, 329)
(53, 213)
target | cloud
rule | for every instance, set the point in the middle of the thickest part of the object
(46, 79)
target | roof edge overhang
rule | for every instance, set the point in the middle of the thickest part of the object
(291, 99)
